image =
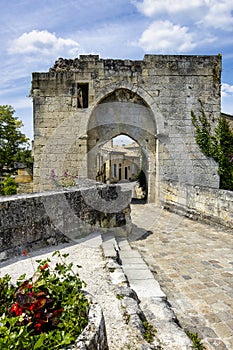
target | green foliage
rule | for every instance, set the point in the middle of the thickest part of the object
(120, 296)
(13, 143)
(217, 145)
(196, 341)
(9, 186)
(225, 154)
(47, 311)
(149, 332)
(1, 186)
(204, 138)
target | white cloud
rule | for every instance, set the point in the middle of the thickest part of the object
(154, 7)
(166, 37)
(43, 43)
(209, 13)
(219, 15)
(227, 90)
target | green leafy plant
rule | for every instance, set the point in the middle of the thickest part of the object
(120, 296)
(149, 332)
(47, 311)
(1, 186)
(196, 341)
(9, 186)
(217, 144)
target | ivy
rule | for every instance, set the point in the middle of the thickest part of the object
(217, 145)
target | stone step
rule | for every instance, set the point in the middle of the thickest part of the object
(109, 246)
(128, 269)
(139, 276)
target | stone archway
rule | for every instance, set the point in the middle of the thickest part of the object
(149, 99)
(123, 112)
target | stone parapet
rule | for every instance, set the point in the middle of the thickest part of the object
(198, 202)
(35, 220)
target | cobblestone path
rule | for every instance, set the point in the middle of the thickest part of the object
(193, 262)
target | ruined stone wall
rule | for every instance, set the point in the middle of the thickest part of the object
(152, 100)
(35, 220)
(199, 202)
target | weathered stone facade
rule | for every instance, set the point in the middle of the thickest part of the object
(82, 103)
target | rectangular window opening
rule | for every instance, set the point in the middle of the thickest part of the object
(82, 95)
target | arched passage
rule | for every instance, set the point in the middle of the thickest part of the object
(123, 112)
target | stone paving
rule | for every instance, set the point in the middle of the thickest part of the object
(193, 262)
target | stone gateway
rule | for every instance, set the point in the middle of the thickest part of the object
(82, 103)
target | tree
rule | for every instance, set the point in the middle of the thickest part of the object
(14, 145)
(217, 145)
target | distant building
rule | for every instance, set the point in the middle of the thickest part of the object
(23, 178)
(117, 163)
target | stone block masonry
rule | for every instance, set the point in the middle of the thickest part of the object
(198, 202)
(82, 103)
(35, 220)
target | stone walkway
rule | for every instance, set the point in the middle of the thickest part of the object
(193, 262)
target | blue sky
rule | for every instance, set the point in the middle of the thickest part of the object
(33, 34)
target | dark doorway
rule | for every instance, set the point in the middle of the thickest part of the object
(126, 173)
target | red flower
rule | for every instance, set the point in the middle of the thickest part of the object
(16, 309)
(45, 266)
(38, 326)
(25, 252)
(38, 315)
(32, 307)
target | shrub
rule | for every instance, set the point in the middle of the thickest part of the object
(9, 186)
(47, 311)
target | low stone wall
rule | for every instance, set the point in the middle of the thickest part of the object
(197, 202)
(31, 221)
(94, 335)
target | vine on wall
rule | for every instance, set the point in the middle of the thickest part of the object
(217, 145)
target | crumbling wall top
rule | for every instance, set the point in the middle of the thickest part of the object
(164, 64)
